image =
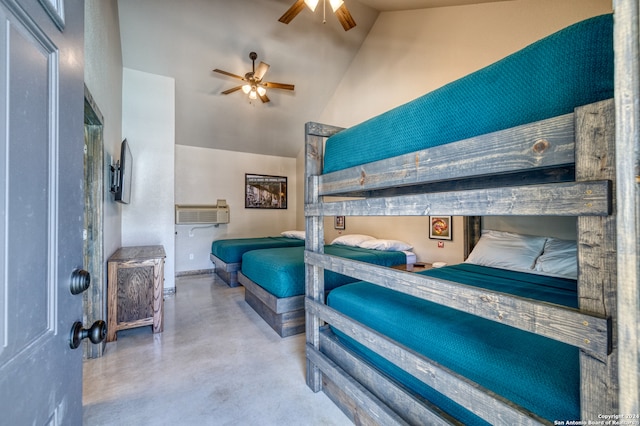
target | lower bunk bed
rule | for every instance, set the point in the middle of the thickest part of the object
(274, 280)
(537, 373)
(226, 254)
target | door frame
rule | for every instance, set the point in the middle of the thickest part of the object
(94, 299)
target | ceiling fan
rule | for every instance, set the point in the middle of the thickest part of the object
(254, 86)
(338, 7)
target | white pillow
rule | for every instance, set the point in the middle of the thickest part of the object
(353, 240)
(386, 245)
(506, 250)
(559, 258)
(294, 234)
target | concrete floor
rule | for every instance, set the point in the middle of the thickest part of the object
(216, 363)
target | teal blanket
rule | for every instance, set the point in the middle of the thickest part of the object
(551, 77)
(537, 373)
(280, 271)
(231, 250)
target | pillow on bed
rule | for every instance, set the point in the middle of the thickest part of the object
(559, 258)
(294, 234)
(386, 245)
(353, 240)
(506, 250)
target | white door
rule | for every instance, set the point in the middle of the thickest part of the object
(41, 209)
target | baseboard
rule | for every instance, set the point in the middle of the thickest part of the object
(195, 272)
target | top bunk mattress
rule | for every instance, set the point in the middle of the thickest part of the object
(231, 250)
(550, 77)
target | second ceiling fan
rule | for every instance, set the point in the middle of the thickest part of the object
(254, 86)
(338, 7)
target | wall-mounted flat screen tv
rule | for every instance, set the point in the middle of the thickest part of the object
(125, 175)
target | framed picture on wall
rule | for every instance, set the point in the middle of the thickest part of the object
(339, 222)
(265, 192)
(440, 227)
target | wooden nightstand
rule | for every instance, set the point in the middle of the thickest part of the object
(135, 286)
(414, 267)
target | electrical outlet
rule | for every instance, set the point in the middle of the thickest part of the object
(190, 256)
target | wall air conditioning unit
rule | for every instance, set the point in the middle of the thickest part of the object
(197, 214)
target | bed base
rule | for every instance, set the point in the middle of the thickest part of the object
(589, 136)
(285, 315)
(228, 272)
(366, 395)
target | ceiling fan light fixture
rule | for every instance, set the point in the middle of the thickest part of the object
(253, 84)
(335, 4)
(312, 4)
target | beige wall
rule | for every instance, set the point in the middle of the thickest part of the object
(407, 54)
(203, 175)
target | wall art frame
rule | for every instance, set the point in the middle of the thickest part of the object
(265, 191)
(440, 227)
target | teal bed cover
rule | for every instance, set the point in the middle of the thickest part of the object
(550, 77)
(280, 271)
(537, 373)
(231, 250)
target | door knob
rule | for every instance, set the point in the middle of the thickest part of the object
(80, 281)
(96, 333)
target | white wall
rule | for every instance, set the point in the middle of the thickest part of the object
(204, 175)
(148, 124)
(407, 54)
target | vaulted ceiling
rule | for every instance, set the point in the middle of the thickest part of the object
(186, 40)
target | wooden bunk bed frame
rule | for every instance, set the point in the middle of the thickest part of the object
(605, 196)
(541, 158)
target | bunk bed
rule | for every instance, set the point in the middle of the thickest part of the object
(226, 254)
(551, 152)
(274, 279)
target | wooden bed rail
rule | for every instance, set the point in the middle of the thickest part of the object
(627, 96)
(547, 144)
(553, 199)
(590, 333)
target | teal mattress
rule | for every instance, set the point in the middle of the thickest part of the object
(551, 77)
(537, 373)
(280, 271)
(231, 250)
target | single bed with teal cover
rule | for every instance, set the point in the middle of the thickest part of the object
(274, 281)
(226, 254)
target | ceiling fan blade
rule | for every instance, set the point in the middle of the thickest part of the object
(272, 85)
(345, 18)
(229, 74)
(264, 98)
(233, 89)
(292, 12)
(261, 71)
